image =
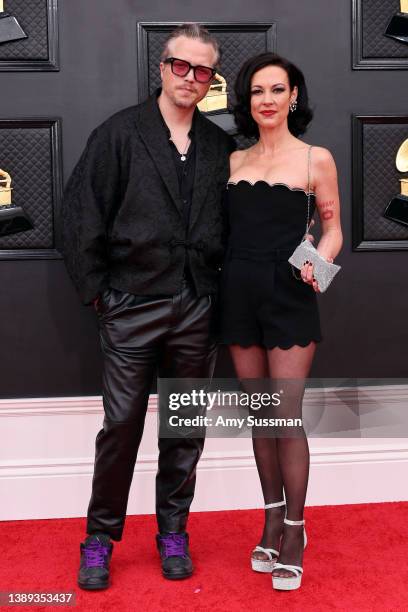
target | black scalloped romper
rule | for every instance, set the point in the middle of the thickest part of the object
(262, 303)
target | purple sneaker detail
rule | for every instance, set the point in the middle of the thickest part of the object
(95, 554)
(174, 545)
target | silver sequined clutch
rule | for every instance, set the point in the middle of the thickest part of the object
(323, 271)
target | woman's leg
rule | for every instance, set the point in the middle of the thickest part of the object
(252, 363)
(292, 452)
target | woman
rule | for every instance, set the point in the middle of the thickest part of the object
(270, 318)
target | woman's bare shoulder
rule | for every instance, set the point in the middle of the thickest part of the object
(238, 154)
(323, 165)
(321, 155)
(237, 158)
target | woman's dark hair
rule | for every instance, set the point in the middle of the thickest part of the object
(297, 121)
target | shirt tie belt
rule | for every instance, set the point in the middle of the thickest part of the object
(188, 244)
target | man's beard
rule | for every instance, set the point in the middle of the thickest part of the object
(184, 103)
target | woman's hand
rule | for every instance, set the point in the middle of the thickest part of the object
(307, 275)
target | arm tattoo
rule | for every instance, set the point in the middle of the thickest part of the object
(326, 209)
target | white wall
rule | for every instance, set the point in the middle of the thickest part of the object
(47, 455)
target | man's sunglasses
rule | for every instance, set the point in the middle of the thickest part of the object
(179, 67)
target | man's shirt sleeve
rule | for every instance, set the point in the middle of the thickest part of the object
(90, 194)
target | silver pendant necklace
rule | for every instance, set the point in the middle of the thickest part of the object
(183, 155)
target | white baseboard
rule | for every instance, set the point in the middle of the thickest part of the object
(47, 446)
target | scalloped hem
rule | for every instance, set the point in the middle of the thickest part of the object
(282, 345)
(279, 184)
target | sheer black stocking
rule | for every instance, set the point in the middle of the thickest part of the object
(283, 463)
(293, 453)
(252, 363)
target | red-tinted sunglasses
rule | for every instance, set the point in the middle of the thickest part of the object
(179, 67)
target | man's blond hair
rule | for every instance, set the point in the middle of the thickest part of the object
(195, 31)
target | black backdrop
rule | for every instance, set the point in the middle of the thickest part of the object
(48, 341)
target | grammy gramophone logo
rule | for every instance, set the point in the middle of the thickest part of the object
(10, 29)
(398, 26)
(217, 96)
(12, 218)
(397, 209)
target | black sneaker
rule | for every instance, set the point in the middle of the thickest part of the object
(175, 556)
(96, 554)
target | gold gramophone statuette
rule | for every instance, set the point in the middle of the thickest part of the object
(401, 161)
(402, 165)
(5, 189)
(12, 218)
(217, 96)
(397, 209)
(398, 26)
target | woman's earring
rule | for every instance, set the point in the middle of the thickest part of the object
(293, 106)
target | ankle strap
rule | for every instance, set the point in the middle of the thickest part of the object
(288, 522)
(275, 505)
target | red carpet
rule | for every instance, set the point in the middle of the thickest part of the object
(356, 560)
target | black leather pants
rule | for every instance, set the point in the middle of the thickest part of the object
(140, 337)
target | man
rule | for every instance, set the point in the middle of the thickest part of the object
(143, 242)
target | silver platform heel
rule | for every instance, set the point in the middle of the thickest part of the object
(266, 565)
(289, 583)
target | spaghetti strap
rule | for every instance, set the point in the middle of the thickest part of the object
(308, 167)
(308, 219)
